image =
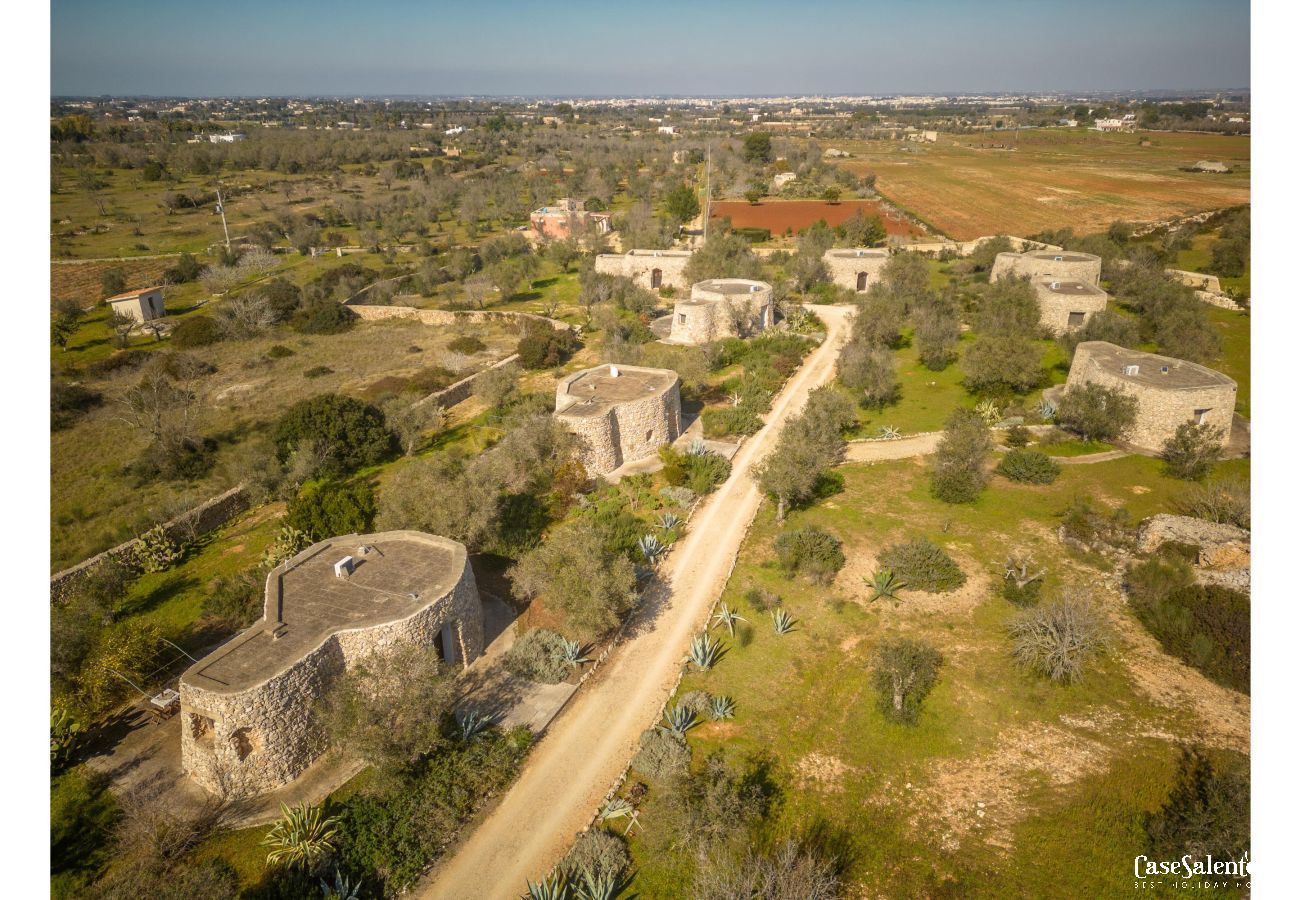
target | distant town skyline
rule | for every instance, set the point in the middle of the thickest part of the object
(758, 48)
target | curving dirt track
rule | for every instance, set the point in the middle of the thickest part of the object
(586, 749)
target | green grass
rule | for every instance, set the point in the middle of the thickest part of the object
(81, 813)
(808, 693)
(1234, 329)
(1198, 258)
(1074, 448)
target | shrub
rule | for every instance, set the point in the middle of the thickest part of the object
(1225, 501)
(1029, 467)
(903, 673)
(1017, 436)
(196, 331)
(1148, 582)
(958, 474)
(1096, 529)
(154, 551)
(1207, 812)
(662, 755)
(68, 402)
(345, 432)
(923, 565)
(324, 509)
(809, 551)
(731, 420)
(278, 351)
(1096, 412)
(236, 599)
(430, 379)
(597, 854)
(1192, 451)
(322, 317)
(543, 347)
(467, 344)
(1018, 594)
(1058, 639)
(317, 372)
(705, 471)
(1206, 626)
(538, 656)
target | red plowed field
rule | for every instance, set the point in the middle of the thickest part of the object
(778, 215)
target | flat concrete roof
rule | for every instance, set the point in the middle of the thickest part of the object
(1063, 256)
(403, 572)
(845, 254)
(659, 252)
(730, 286)
(1154, 370)
(597, 390)
(1069, 287)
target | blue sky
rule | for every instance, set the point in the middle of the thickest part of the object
(280, 47)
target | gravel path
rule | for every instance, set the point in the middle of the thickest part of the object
(588, 746)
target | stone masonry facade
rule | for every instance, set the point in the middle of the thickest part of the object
(614, 429)
(1169, 391)
(1067, 305)
(1063, 265)
(855, 269)
(250, 741)
(723, 307)
(650, 269)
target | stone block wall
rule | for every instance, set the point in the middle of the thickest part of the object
(845, 269)
(1072, 266)
(1198, 280)
(627, 431)
(711, 315)
(1055, 307)
(640, 266)
(253, 741)
(1160, 410)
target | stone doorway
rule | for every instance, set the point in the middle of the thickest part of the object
(862, 281)
(656, 278)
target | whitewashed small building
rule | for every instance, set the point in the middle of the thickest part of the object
(143, 305)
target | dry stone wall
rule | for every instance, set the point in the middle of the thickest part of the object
(641, 266)
(1063, 265)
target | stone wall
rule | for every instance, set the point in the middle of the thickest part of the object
(253, 741)
(1160, 410)
(845, 269)
(450, 317)
(192, 523)
(1196, 280)
(1071, 266)
(966, 248)
(1055, 306)
(461, 390)
(1221, 546)
(711, 315)
(640, 265)
(627, 431)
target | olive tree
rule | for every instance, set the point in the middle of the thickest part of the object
(903, 673)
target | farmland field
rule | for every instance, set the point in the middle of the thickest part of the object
(778, 215)
(1053, 178)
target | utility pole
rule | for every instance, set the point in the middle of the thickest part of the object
(221, 208)
(708, 193)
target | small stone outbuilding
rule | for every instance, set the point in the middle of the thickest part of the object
(1062, 265)
(143, 305)
(620, 413)
(248, 724)
(1169, 391)
(1067, 305)
(722, 307)
(856, 268)
(650, 269)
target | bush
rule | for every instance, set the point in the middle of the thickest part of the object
(317, 372)
(1017, 436)
(1096, 412)
(68, 402)
(1192, 451)
(236, 599)
(325, 509)
(705, 471)
(1206, 626)
(1058, 639)
(958, 474)
(1224, 501)
(662, 755)
(903, 673)
(1029, 467)
(1207, 812)
(1148, 582)
(809, 551)
(196, 331)
(731, 420)
(1096, 529)
(596, 853)
(544, 347)
(467, 344)
(154, 551)
(278, 351)
(322, 317)
(923, 565)
(1023, 595)
(538, 656)
(346, 433)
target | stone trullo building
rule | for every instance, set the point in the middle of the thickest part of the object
(247, 720)
(857, 268)
(1169, 391)
(650, 269)
(1067, 305)
(1062, 265)
(722, 307)
(620, 413)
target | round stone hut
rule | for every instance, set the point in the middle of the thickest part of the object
(856, 268)
(1169, 391)
(620, 413)
(1062, 265)
(650, 269)
(722, 307)
(1067, 305)
(247, 720)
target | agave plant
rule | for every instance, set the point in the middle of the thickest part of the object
(573, 652)
(679, 720)
(705, 651)
(782, 621)
(553, 887)
(1047, 410)
(303, 837)
(889, 433)
(618, 808)
(341, 889)
(470, 723)
(669, 521)
(697, 447)
(728, 617)
(989, 412)
(721, 707)
(885, 584)
(605, 887)
(651, 548)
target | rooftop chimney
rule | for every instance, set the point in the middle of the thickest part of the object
(343, 568)
(613, 371)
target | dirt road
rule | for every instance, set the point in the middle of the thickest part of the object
(588, 746)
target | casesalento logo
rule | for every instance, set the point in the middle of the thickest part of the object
(1192, 871)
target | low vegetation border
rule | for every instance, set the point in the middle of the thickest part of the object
(372, 313)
